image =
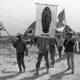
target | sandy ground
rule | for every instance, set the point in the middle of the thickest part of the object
(9, 68)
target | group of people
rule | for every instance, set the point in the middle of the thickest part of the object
(45, 46)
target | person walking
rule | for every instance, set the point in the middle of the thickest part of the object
(42, 45)
(69, 45)
(52, 50)
(60, 45)
(20, 46)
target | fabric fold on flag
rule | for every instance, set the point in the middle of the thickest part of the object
(61, 15)
(60, 24)
(29, 33)
(61, 18)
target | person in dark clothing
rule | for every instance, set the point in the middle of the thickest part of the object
(42, 45)
(52, 44)
(69, 44)
(20, 46)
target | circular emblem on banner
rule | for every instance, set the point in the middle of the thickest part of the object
(30, 32)
(46, 19)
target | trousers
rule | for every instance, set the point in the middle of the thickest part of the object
(60, 50)
(20, 61)
(40, 55)
(70, 60)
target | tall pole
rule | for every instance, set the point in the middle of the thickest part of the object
(0, 34)
(8, 34)
(65, 18)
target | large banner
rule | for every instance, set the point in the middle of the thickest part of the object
(46, 15)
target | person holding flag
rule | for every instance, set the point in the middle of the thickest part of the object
(69, 44)
(20, 46)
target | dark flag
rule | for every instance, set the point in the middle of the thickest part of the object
(2, 27)
(29, 33)
(67, 29)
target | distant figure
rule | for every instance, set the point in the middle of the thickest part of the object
(52, 44)
(69, 44)
(42, 45)
(60, 45)
(20, 46)
(79, 45)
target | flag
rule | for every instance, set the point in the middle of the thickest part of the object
(60, 24)
(76, 36)
(45, 20)
(2, 27)
(61, 15)
(61, 18)
(29, 33)
(66, 30)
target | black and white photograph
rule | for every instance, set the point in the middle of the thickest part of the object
(39, 40)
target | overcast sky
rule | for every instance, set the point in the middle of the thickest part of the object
(17, 15)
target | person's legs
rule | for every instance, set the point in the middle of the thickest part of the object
(68, 60)
(40, 55)
(60, 50)
(52, 54)
(72, 62)
(47, 61)
(22, 63)
(39, 60)
(19, 63)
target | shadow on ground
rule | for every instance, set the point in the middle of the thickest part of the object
(9, 76)
(13, 74)
(4, 71)
(59, 76)
(34, 77)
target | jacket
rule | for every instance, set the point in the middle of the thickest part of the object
(20, 46)
(69, 45)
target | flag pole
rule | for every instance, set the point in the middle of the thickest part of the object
(65, 18)
(8, 34)
(0, 34)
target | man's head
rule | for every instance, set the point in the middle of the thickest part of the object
(59, 36)
(19, 36)
(70, 34)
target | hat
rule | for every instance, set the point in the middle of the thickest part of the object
(19, 35)
(70, 33)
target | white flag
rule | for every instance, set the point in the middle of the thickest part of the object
(45, 20)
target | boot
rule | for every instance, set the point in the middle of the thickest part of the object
(37, 72)
(47, 71)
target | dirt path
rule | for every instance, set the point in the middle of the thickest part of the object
(8, 70)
